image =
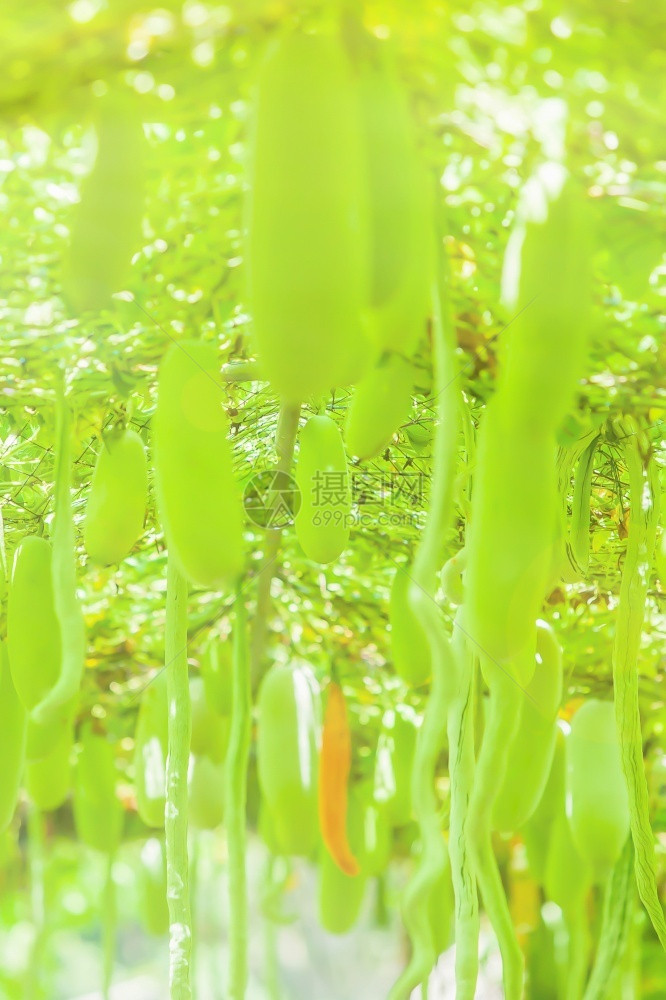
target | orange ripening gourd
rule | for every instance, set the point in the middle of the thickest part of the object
(334, 766)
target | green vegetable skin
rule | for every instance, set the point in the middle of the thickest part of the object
(400, 220)
(206, 793)
(393, 766)
(546, 285)
(210, 731)
(287, 740)
(340, 896)
(215, 669)
(198, 497)
(537, 831)
(597, 801)
(380, 404)
(106, 225)
(307, 252)
(152, 887)
(322, 521)
(531, 752)
(12, 741)
(98, 813)
(150, 752)
(117, 500)
(41, 740)
(48, 780)
(33, 631)
(441, 909)
(409, 643)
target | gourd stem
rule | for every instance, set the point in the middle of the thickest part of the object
(178, 752)
(109, 928)
(235, 781)
(644, 496)
(432, 734)
(285, 440)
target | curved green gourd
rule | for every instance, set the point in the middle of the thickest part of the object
(33, 630)
(152, 888)
(323, 519)
(597, 800)
(381, 402)
(306, 251)
(531, 751)
(287, 741)
(210, 731)
(393, 768)
(12, 741)
(205, 793)
(441, 909)
(371, 819)
(150, 752)
(198, 497)
(118, 497)
(340, 896)
(106, 224)
(215, 670)
(547, 287)
(400, 219)
(410, 649)
(98, 813)
(48, 780)
(536, 832)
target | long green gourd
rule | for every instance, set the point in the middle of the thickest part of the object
(106, 225)
(381, 403)
(34, 645)
(533, 745)
(116, 506)
(400, 217)
(536, 832)
(644, 492)
(547, 286)
(306, 252)
(49, 779)
(393, 765)
(432, 733)
(410, 649)
(12, 741)
(618, 912)
(210, 731)
(235, 786)
(460, 728)
(175, 825)
(206, 798)
(340, 895)
(197, 494)
(98, 813)
(597, 801)
(216, 671)
(150, 752)
(287, 740)
(152, 886)
(566, 875)
(578, 542)
(323, 519)
(56, 702)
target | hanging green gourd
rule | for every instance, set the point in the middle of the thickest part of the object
(150, 752)
(215, 670)
(287, 751)
(118, 497)
(198, 496)
(324, 515)
(33, 630)
(210, 731)
(49, 779)
(381, 402)
(205, 793)
(533, 744)
(393, 764)
(98, 813)
(307, 251)
(106, 224)
(409, 643)
(152, 887)
(12, 740)
(400, 216)
(597, 801)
